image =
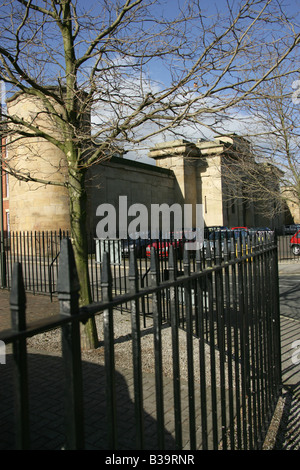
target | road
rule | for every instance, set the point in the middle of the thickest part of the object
(289, 295)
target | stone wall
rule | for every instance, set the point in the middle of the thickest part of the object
(139, 182)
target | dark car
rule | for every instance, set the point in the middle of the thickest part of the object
(212, 229)
(243, 229)
(295, 243)
(290, 229)
(239, 232)
(140, 241)
(214, 237)
(260, 231)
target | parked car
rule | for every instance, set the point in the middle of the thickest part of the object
(259, 230)
(243, 229)
(212, 229)
(237, 232)
(176, 239)
(290, 229)
(295, 243)
(163, 246)
(214, 237)
(140, 243)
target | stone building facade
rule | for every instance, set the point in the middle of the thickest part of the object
(183, 172)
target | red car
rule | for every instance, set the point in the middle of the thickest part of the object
(295, 243)
(163, 247)
(240, 228)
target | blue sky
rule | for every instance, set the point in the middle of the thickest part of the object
(171, 8)
(291, 7)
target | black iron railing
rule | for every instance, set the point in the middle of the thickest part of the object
(223, 318)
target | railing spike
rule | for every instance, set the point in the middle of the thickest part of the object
(18, 299)
(67, 283)
(105, 270)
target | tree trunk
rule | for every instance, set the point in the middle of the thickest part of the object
(77, 194)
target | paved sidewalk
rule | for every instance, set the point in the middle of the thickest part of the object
(37, 307)
(288, 437)
(46, 379)
(289, 267)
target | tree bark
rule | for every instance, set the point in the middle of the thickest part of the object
(77, 194)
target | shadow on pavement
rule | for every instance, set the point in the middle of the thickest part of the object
(46, 383)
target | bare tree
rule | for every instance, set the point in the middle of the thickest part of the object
(139, 67)
(269, 170)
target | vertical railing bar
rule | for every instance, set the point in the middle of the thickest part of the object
(190, 356)
(68, 294)
(124, 267)
(157, 320)
(35, 259)
(260, 369)
(56, 256)
(54, 262)
(266, 338)
(269, 372)
(277, 332)
(253, 417)
(242, 301)
(28, 259)
(119, 266)
(247, 248)
(175, 349)
(42, 255)
(270, 350)
(4, 259)
(262, 339)
(40, 262)
(221, 337)
(23, 257)
(9, 271)
(46, 263)
(136, 351)
(236, 317)
(108, 328)
(45, 236)
(19, 258)
(20, 372)
(201, 334)
(255, 365)
(32, 263)
(52, 265)
(16, 251)
(8, 259)
(211, 339)
(91, 269)
(93, 252)
(271, 323)
(35, 262)
(228, 322)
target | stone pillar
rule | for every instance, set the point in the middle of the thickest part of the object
(182, 157)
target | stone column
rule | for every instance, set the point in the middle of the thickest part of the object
(182, 157)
